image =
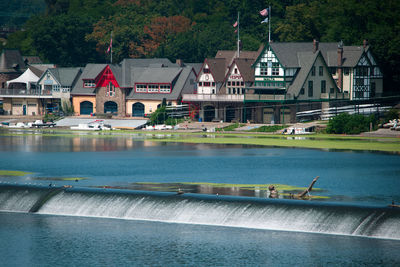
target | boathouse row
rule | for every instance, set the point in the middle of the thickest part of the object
(134, 88)
(282, 79)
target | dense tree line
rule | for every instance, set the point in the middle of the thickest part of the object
(74, 32)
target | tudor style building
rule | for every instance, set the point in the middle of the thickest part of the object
(135, 87)
(220, 86)
(292, 77)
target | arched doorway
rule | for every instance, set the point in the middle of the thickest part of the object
(209, 113)
(138, 110)
(86, 108)
(229, 113)
(110, 107)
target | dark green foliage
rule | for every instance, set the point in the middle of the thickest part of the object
(75, 32)
(268, 128)
(391, 114)
(350, 124)
(159, 116)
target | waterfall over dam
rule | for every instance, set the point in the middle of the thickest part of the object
(271, 214)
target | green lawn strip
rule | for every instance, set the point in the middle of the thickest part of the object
(307, 143)
(13, 173)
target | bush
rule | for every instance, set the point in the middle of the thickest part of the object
(350, 124)
(268, 128)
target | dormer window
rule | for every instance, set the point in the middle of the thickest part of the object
(89, 83)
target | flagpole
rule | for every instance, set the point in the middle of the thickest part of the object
(269, 24)
(111, 47)
(238, 37)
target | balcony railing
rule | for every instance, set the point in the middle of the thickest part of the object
(24, 92)
(260, 97)
(335, 96)
(213, 98)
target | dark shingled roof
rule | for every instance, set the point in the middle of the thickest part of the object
(306, 61)
(287, 53)
(65, 76)
(12, 61)
(182, 74)
(90, 72)
(244, 65)
(32, 60)
(218, 67)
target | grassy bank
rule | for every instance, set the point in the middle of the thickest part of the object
(316, 141)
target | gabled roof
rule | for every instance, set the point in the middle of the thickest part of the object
(351, 56)
(65, 76)
(244, 66)
(217, 68)
(11, 61)
(305, 60)
(287, 53)
(90, 72)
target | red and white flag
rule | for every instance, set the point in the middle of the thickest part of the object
(235, 25)
(110, 46)
(264, 12)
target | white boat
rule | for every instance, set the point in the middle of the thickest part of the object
(96, 125)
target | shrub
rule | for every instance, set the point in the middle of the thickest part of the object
(350, 124)
(268, 128)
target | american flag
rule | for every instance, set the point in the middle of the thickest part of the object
(110, 46)
(234, 25)
(264, 12)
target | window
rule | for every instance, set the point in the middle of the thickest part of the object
(321, 71)
(89, 83)
(234, 91)
(275, 69)
(263, 69)
(302, 91)
(359, 82)
(200, 83)
(310, 88)
(141, 88)
(323, 87)
(152, 88)
(333, 70)
(229, 91)
(206, 83)
(241, 83)
(110, 89)
(165, 88)
(213, 84)
(213, 91)
(332, 91)
(346, 71)
(56, 88)
(362, 71)
(229, 83)
(236, 71)
(313, 71)
(206, 70)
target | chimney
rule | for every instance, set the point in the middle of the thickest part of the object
(315, 46)
(365, 43)
(339, 64)
(179, 62)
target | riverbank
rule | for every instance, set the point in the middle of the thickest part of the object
(379, 143)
